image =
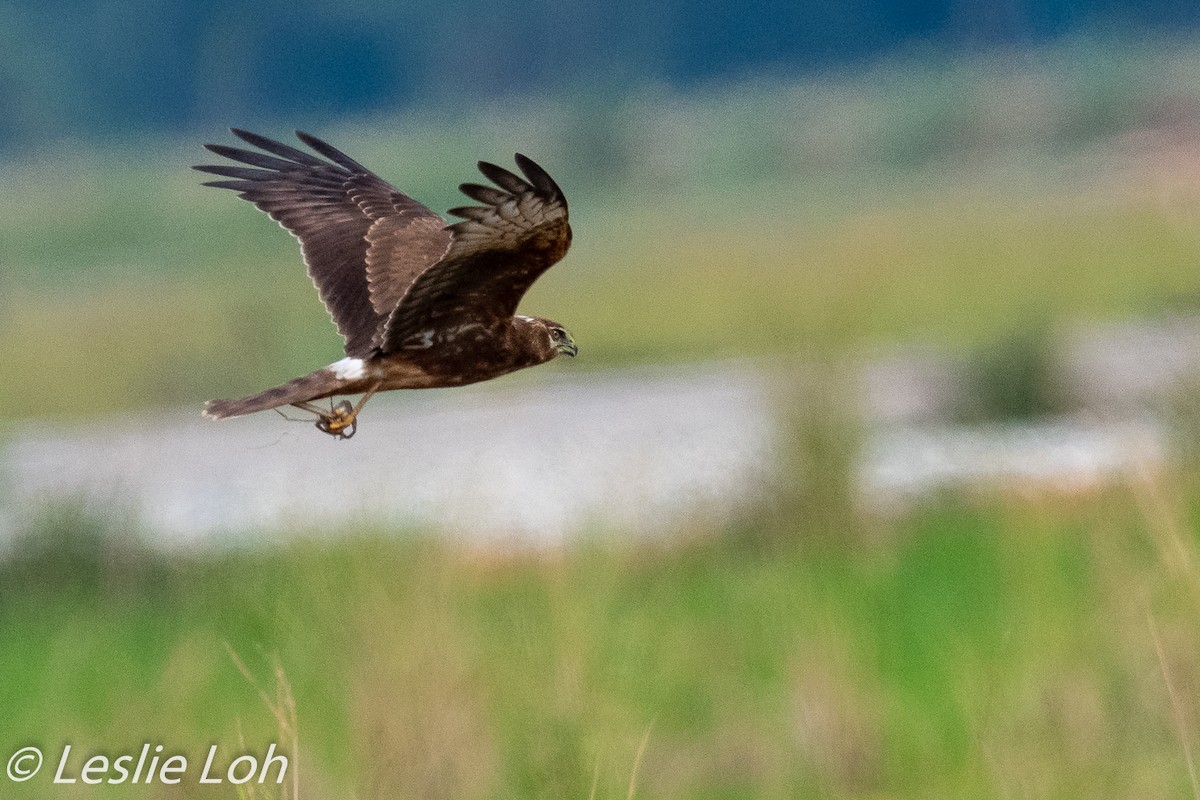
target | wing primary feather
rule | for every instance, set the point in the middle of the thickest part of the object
(332, 153)
(538, 176)
(244, 173)
(470, 212)
(503, 178)
(237, 186)
(252, 158)
(484, 194)
(278, 148)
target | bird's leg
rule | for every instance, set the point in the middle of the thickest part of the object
(315, 409)
(362, 401)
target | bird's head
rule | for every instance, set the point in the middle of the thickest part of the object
(551, 337)
(561, 339)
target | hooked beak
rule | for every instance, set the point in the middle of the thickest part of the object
(568, 347)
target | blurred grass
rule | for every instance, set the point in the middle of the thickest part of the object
(971, 651)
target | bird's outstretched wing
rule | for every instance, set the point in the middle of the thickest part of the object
(496, 253)
(363, 241)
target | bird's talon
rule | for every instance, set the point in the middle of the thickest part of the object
(341, 422)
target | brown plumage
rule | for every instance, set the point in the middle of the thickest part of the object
(420, 303)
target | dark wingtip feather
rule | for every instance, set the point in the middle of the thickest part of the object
(538, 176)
(242, 173)
(503, 178)
(225, 150)
(332, 153)
(469, 212)
(278, 148)
(253, 158)
(484, 194)
(237, 186)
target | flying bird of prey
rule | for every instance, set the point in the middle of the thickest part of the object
(419, 302)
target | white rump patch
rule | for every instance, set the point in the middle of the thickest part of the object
(348, 369)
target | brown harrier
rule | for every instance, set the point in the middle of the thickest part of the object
(420, 303)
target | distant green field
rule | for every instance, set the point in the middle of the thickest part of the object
(967, 652)
(948, 200)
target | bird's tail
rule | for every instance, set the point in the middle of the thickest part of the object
(322, 383)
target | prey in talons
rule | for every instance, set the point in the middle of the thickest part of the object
(341, 420)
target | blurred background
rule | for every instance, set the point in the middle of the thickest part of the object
(877, 474)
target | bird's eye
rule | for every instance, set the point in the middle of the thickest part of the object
(558, 333)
